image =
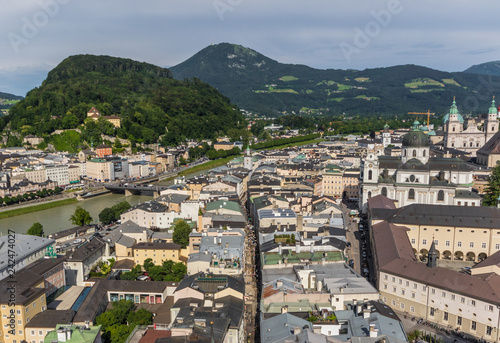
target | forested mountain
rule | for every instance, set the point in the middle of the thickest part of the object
(256, 82)
(146, 98)
(488, 68)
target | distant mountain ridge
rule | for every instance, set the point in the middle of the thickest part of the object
(488, 68)
(258, 83)
(8, 96)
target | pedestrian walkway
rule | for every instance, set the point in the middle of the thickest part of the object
(67, 299)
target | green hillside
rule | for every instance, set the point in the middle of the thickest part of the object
(146, 98)
(258, 83)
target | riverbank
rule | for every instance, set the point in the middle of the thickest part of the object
(29, 208)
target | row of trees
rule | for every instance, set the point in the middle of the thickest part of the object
(7, 200)
(168, 271)
(283, 141)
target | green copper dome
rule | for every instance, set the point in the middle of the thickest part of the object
(415, 139)
(493, 107)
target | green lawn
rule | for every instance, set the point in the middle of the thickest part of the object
(288, 78)
(362, 79)
(36, 208)
(425, 90)
(336, 99)
(415, 83)
(285, 90)
(367, 97)
(451, 82)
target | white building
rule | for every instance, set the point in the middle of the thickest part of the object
(58, 173)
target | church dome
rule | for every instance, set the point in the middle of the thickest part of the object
(415, 138)
(453, 110)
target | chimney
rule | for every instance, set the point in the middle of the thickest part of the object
(366, 314)
(359, 310)
(319, 286)
(284, 309)
(373, 331)
(280, 249)
(297, 330)
(297, 248)
(279, 283)
(61, 335)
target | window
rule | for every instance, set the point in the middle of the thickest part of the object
(490, 308)
(385, 277)
(443, 294)
(385, 286)
(432, 312)
(413, 241)
(423, 152)
(415, 285)
(436, 242)
(447, 243)
(497, 246)
(370, 174)
(483, 245)
(471, 244)
(402, 292)
(384, 191)
(402, 305)
(413, 295)
(411, 194)
(393, 279)
(32, 332)
(394, 303)
(412, 309)
(40, 333)
(414, 153)
(473, 325)
(441, 195)
(407, 283)
(489, 330)
(369, 195)
(424, 242)
(394, 289)
(445, 316)
(400, 281)
(433, 291)
(459, 244)
(462, 300)
(473, 303)
(453, 297)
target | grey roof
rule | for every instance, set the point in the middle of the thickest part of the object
(50, 319)
(156, 245)
(85, 250)
(173, 198)
(443, 215)
(126, 241)
(381, 316)
(276, 213)
(150, 206)
(207, 283)
(281, 326)
(338, 275)
(23, 246)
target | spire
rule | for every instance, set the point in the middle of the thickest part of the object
(453, 108)
(493, 107)
(432, 256)
(415, 125)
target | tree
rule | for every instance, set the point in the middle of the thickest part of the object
(181, 233)
(36, 230)
(148, 263)
(107, 216)
(81, 217)
(492, 191)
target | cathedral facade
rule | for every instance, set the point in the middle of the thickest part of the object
(472, 134)
(416, 178)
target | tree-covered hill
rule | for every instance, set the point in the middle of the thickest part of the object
(8, 96)
(148, 100)
(256, 82)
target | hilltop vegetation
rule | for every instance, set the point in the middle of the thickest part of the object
(150, 103)
(257, 83)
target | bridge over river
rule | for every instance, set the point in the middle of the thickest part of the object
(136, 189)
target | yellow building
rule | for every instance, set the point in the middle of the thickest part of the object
(22, 298)
(158, 252)
(332, 181)
(95, 114)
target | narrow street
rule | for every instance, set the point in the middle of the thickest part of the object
(250, 284)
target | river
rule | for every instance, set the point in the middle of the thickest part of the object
(57, 218)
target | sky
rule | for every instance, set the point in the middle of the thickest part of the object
(449, 35)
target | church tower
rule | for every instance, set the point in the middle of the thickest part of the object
(247, 160)
(491, 124)
(454, 125)
(386, 136)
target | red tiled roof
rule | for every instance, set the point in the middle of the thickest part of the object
(152, 335)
